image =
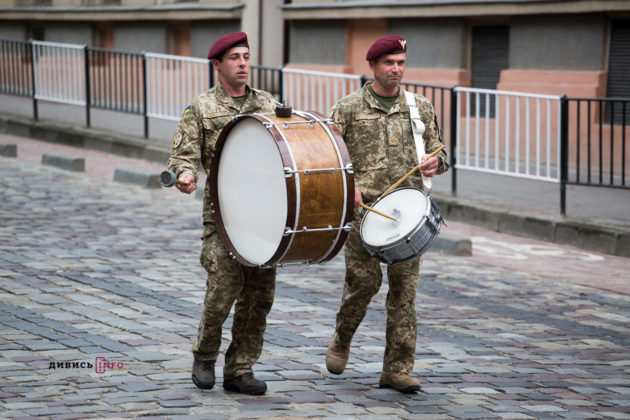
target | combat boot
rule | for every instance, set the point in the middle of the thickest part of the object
(400, 381)
(203, 374)
(245, 384)
(337, 356)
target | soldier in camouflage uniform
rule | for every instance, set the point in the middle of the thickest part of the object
(228, 281)
(375, 124)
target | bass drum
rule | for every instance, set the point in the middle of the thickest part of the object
(282, 189)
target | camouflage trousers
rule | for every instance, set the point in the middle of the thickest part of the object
(228, 281)
(363, 280)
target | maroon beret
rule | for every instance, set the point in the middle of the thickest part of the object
(226, 42)
(390, 44)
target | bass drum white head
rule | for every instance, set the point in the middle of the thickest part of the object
(252, 191)
(408, 205)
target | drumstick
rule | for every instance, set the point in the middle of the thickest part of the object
(378, 212)
(408, 174)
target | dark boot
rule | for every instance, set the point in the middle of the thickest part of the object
(203, 374)
(245, 384)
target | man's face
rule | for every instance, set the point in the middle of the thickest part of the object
(234, 68)
(388, 70)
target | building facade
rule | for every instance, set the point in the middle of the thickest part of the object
(578, 47)
(158, 26)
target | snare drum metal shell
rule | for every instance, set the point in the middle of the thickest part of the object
(413, 243)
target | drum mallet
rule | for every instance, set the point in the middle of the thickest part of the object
(167, 178)
(378, 212)
(408, 174)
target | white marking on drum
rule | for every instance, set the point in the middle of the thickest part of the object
(331, 137)
(297, 190)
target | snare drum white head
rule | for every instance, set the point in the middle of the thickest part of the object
(252, 191)
(408, 205)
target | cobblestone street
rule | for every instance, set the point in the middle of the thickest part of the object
(101, 293)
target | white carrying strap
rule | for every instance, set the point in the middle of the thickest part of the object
(417, 127)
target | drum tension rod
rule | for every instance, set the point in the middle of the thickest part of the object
(289, 172)
(285, 124)
(289, 231)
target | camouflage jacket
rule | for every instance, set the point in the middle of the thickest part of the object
(380, 142)
(199, 129)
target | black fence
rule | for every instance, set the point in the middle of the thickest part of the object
(16, 76)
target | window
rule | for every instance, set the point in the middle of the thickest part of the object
(619, 71)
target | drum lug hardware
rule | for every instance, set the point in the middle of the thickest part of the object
(349, 168)
(287, 231)
(268, 125)
(288, 172)
(348, 227)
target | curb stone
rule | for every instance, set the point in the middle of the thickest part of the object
(64, 162)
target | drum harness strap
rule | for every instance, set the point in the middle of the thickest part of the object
(417, 127)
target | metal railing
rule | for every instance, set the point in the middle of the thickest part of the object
(315, 90)
(172, 82)
(16, 75)
(596, 135)
(59, 72)
(508, 133)
(269, 79)
(115, 80)
(570, 141)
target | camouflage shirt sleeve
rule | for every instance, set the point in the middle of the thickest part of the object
(338, 118)
(187, 143)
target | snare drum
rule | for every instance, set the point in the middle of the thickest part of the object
(282, 189)
(419, 223)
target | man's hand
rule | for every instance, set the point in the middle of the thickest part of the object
(358, 199)
(186, 183)
(429, 167)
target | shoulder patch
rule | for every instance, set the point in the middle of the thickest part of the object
(186, 110)
(177, 140)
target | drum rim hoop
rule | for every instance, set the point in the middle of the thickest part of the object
(214, 194)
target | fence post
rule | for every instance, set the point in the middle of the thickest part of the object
(35, 110)
(453, 159)
(88, 96)
(564, 152)
(281, 85)
(145, 94)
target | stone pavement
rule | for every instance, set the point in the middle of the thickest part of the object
(100, 300)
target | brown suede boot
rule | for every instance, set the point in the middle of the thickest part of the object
(337, 356)
(400, 381)
(203, 374)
